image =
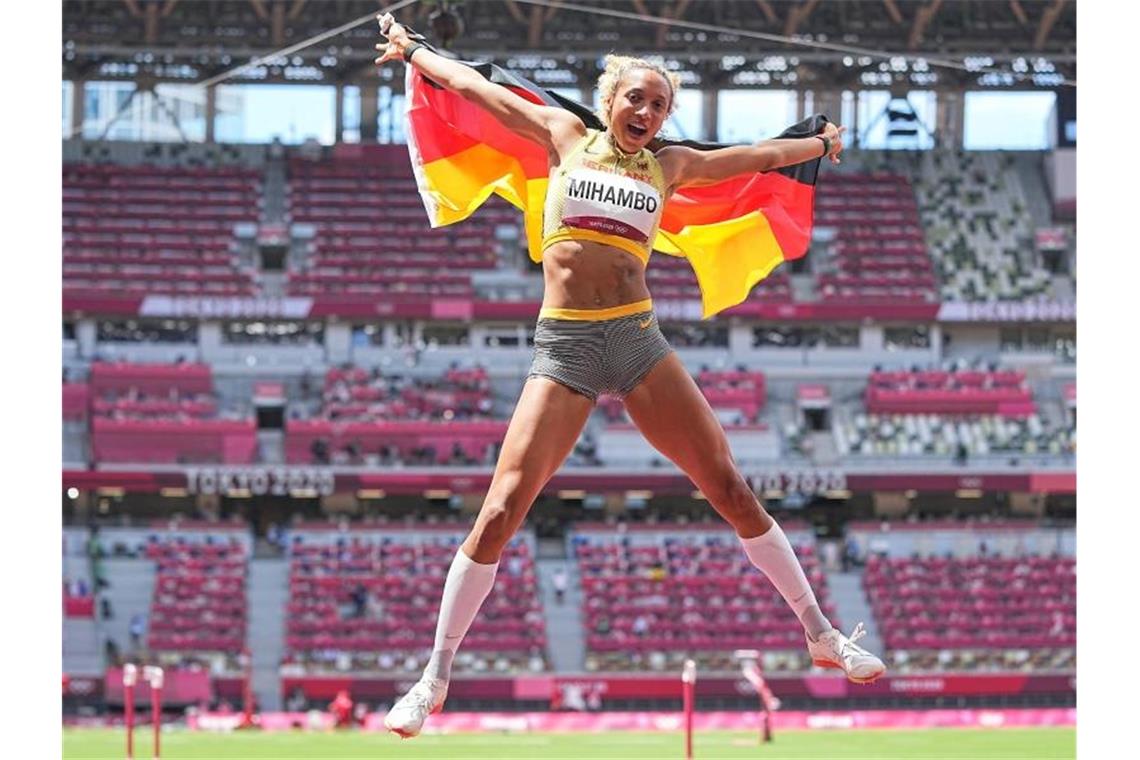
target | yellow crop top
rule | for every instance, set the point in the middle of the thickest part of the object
(601, 194)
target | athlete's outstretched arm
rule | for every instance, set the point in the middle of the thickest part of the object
(688, 166)
(553, 128)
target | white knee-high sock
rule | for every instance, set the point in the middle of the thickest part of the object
(772, 554)
(468, 583)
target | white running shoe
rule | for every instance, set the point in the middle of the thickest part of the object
(407, 716)
(834, 650)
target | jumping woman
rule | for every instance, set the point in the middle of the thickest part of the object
(596, 333)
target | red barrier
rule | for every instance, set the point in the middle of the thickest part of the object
(624, 687)
(578, 722)
(180, 688)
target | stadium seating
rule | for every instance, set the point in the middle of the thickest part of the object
(653, 598)
(938, 411)
(1008, 612)
(921, 434)
(144, 229)
(940, 392)
(742, 391)
(977, 223)
(879, 254)
(199, 604)
(365, 416)
(164, 413)
(399, 576)
(368, 216)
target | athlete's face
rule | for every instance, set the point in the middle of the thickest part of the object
(640, 107)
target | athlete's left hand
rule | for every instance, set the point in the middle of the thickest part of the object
(835, 135)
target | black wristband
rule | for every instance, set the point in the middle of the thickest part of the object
(410, 49)
(826, 145)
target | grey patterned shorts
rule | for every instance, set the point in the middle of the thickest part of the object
(602, 356)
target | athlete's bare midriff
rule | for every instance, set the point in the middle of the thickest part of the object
(582, 274)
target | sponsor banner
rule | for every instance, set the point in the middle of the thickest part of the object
(947, 482)
(179, 687)
(228, 308)
(132, 482)
(324, 481)
(595, 722)
(104, 305)
(1053, 482)
(373, 307)
(690, 311)
(813, 396)
(1051, 239)
(566, 690)
(1027, 311)
(261, 481)
(419, 307)
(805, 481)
(847, 310)
(224, 722)
(84, 687)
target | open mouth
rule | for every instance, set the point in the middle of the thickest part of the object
(637, 131)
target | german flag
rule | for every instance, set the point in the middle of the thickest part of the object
(733, 233)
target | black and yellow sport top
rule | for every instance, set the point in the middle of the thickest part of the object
(601, 194)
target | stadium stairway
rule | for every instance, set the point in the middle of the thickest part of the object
(75, 444)
(268, 591)
(851, 606)
(564, 626)
(1031, 174)
(273, 189)
(82, 653)
(130, 592)
(271, 444)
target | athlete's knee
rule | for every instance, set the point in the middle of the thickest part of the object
(502, 512)
(735, 499)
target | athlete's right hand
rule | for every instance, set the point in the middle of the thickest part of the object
(397, 39)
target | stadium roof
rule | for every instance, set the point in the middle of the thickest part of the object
(717, 43)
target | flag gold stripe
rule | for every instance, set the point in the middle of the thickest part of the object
(728, 257)
(461, 182)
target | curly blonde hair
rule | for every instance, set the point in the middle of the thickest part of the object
(617, 66)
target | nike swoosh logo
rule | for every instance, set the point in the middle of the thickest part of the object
(645, 324)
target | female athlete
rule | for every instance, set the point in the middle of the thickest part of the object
(596, 333)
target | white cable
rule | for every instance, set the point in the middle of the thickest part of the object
(306, 43)
(698, 26)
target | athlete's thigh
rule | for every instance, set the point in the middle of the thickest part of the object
(675, 417)
(546, 423)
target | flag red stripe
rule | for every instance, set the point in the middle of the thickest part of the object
(445, 124)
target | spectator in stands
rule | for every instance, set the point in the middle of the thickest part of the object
(137, 627)
(111, 650)
(962, 455)
(852, 553)
(320, 451)
(274, 536)
(635, 361)
(359, 600)
(560, 580)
